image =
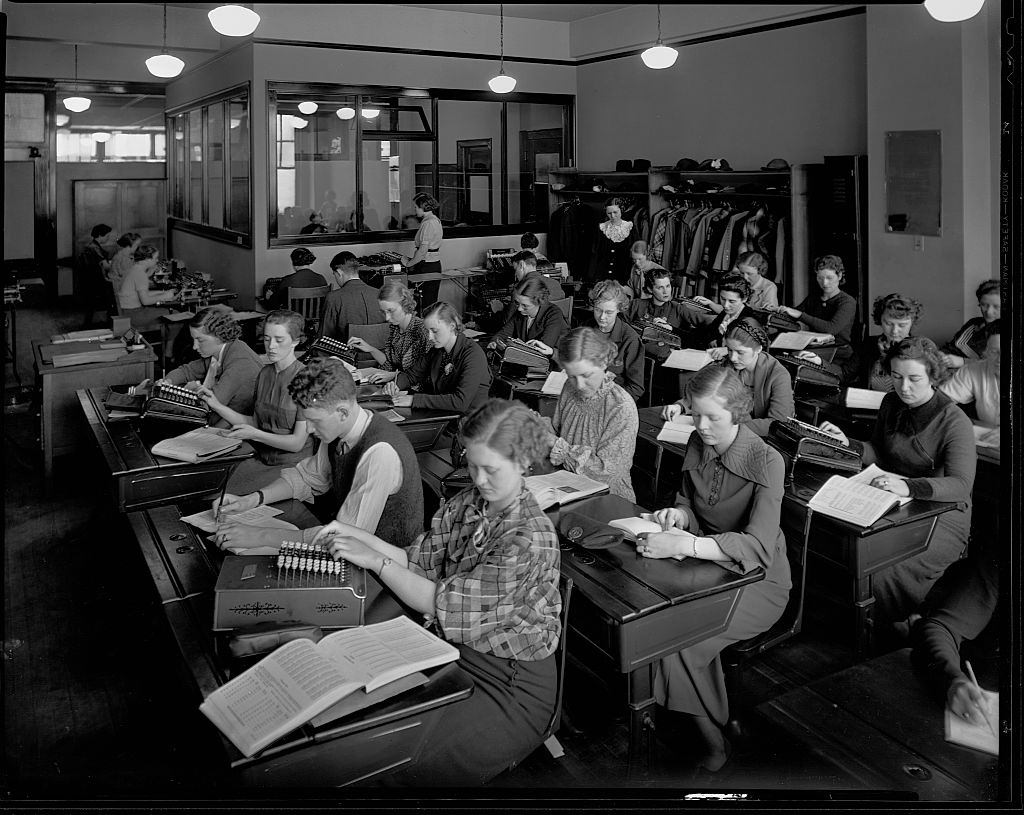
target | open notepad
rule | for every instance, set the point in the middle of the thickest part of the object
(302, 679)
(677, 429)
(981, 736)
(197, 445)
(562, 487)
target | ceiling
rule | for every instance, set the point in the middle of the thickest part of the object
(553, 12)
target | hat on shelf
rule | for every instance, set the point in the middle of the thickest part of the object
(641, 165)
(623, 165)
(715, 164)
(686, 164)
(776, 164)
(667, 189)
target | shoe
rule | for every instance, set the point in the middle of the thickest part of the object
(714, 765)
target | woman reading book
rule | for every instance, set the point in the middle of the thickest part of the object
(486, 574)
(727, 511)
(927, 442)
(596, 421)
(274, 429)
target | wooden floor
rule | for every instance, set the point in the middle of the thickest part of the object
(94, 708)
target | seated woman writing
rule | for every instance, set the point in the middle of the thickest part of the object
(453, 376)
(768, 381)
(926, 444)
(534, 317)
(486, 574)
(407, 342)
(596, 422)
(728, 509)
(969, 342)
(274, 429)
(227, 368)
(978, 383)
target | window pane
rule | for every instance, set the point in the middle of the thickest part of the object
(23, 118)
(179, 125)
(391, 114)
(534, 147)
(215, 165)
(239, 158)
(130, 119)
(389, 184)
(195, 162)
(469, 162)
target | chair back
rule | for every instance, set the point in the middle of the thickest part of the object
(565, 306)
(376, 334)
(565, 589)
(309, 302)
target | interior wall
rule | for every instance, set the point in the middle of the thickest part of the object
(795, 93)
(230, 266)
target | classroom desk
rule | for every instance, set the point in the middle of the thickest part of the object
(527, 391)
(880, 725)
(423, 426)
(140, 479)
(59, 418)
(364, 745)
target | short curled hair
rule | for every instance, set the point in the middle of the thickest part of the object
(897, 306)
(587, 344)
(293, 322)
(445, 312)
(428, 203)
(145, 252)
(529, 241)
(394, 292)
(525, 256)
(509, 428)
(723, 383)
(100, 230)
(302, 257)
(534, 289)
(217, 321)
(753, 259)
(923, 350)
(324, 384)
(615, 201)
(987, 287)
(652, 274)
(833, 262)
(735, 283)
(609, 290)
(749, 332)
(127, 239)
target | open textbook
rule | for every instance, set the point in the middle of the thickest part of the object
(196, 445)
(853, 499)
(302, 679)
(678, 429)
(644, 524)
(562, 487)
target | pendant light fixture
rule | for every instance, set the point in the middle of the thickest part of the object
(659, 55)
(346, 113)
(77, 104)
(234, 21)
(163, 64)
(502, 83)
(953, 11)
(370, 113)
(308, 108)
(101, 136)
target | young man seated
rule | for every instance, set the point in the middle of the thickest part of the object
(364, 463)
(354, 302)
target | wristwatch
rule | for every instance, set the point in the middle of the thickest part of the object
(385, 562)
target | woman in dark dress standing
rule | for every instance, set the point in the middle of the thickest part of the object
(615, 237)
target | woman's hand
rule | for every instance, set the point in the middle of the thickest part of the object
(391, 389)
(208, 396)
(718, 353)
(809, 356)
(497, 306)
(704, 301)
(832, 430)
(664, 544)
(893, 484)
(953, 361)
(235, 503)
(406, 260)
(194, 385)
(242, 431)
(670, 411)
(358, 343)
(380, 377)
(235, 536)
(966, 700)
(403, 400)
(540, 346)
(671, 517)
(792, 312)
(355, 551)
(331, 530)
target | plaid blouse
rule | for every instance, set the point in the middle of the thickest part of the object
(404, 348)
(497, 579)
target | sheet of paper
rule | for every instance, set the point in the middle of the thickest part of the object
(554, 383)
(871, 472)
(262, 515)
(687, 359)
(980, 736)
(677, 430)
(864, 398)
(361, 374)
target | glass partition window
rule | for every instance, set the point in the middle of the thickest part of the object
(210, 166)
(348, 162)
(117, 127)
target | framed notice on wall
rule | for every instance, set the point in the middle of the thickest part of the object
(913, 182)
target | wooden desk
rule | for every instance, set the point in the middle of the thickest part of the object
(60, 417)
(879, 724)
(423, 426)
(527, 391)
(649, 457)
(141, 479)
(364, 745)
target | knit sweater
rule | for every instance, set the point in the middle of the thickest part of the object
(834, 316)
(597, 434)
(458, 381)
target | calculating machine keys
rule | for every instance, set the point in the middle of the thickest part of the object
(177, 404)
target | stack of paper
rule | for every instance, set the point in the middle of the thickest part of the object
(554, 383)
(677, 430)
(688, 359)
(196, 445)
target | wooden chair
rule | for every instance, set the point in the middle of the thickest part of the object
(565, 306)
(309, 302)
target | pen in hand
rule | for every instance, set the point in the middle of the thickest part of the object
(982, 706)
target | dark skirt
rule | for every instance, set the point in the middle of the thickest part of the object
(426, 292)
(500, 724)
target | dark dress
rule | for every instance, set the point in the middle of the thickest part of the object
(548, 326)
(299, 279)
(970, 341)
(234, 383)
(712, 334)
(628, 366)
(772, 390)
(611, 257)
(864, 367)
(456, 381)
(834, 316)
(735, 498)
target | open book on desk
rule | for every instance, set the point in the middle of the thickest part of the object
(643, 524)
(678, 429)
(854, 500)
(562, 487)
(301, 679)
(799, 340)
(687, 359)
(197, 445)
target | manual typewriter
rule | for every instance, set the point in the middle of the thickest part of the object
(517, 360)
(808, 373)
(175, 403)
(695, 304)
(330, 347)
(799, 441)
(780, 321)
(500, 260)
(373, 269)
(650, 331)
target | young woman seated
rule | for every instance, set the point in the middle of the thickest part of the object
(978, 383)
(926, 444)
(969, 342)
(596, 422)
(833, 311)
(728, 509)
(227, 368)
(768, 381)
(764, 294)
(486, 575)
(453, 376)
(135, 298)
(274, 428)
(535, 320)
(733, 294)
(659, 306)
(407, 342)
(636, 287)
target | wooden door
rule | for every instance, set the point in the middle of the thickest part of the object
(128, 205)
(540, 151)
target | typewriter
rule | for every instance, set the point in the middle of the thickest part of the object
(330, 347)
(808, 373)
(177, 404)
(374, 268)
(515, 359)
(798, 441)
(652, 332)
(780, 321)
(500, 260)
(695, 304)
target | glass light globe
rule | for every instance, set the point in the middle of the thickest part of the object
(308, 107)
(77, 104)
(298, 122)
(502, 83)
(101, 136)
(659, 56)
(371, 113)
(346, 113)
(164, 65)
(953, 11)
(234, 21)
(61, 119)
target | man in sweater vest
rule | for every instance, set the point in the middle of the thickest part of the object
(365, 465)
(353, 303)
